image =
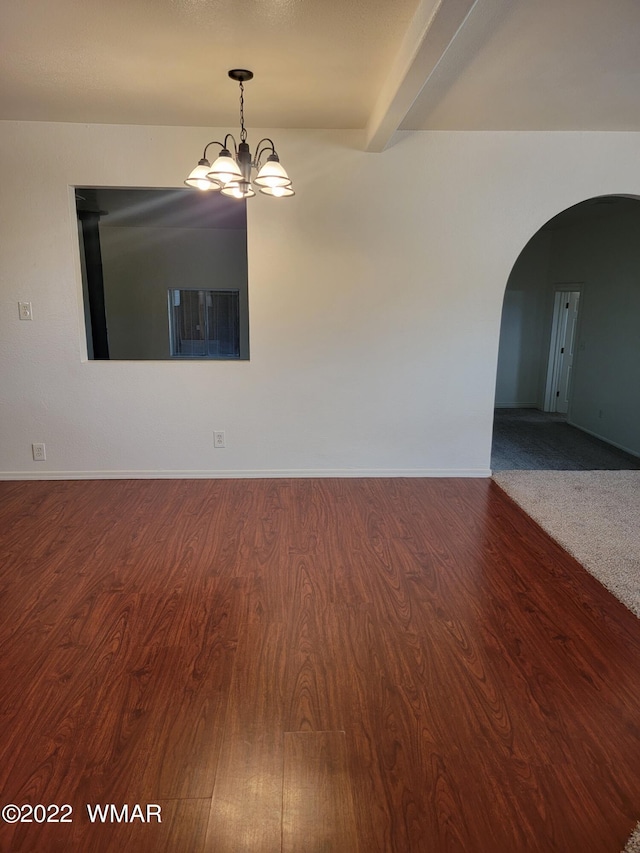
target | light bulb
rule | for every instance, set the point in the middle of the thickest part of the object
(198, 177)
(238, 189)
(272, 174)
(277, 192)
(225, 169)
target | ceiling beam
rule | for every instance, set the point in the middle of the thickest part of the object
(433, 27)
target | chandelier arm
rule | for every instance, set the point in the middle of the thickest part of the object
(235, 144)
(260, 151)
(206, 148)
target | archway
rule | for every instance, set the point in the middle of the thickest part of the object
(585, 261)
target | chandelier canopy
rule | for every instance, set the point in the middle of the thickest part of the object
(231, 173)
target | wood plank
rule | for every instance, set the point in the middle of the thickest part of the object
(317, 810)
(169, 720)
(246, 807)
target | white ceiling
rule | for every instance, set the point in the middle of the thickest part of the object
(374, 64)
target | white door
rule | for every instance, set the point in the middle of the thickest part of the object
(566, 352)
(565, 323)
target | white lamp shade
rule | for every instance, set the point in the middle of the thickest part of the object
(272, 174)
(277, 192)
(198, 178)
(224, 169)
(238, 189)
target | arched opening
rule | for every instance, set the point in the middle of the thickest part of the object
(569, 359)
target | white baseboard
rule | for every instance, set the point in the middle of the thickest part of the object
(240, 474)
(605, 439)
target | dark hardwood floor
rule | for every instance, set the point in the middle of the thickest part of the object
(359, 666)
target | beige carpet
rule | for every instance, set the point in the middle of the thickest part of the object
(595, 515)
(633, 844)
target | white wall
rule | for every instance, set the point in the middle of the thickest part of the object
(524, 329)
(375, 301)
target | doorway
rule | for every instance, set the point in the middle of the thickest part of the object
(569, 361)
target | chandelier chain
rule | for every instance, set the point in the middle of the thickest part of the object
(243, 132)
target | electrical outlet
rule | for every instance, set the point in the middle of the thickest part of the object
(218, 438)
(24, 311)
(39, 452)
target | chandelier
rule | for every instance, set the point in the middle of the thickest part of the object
(232, 174)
